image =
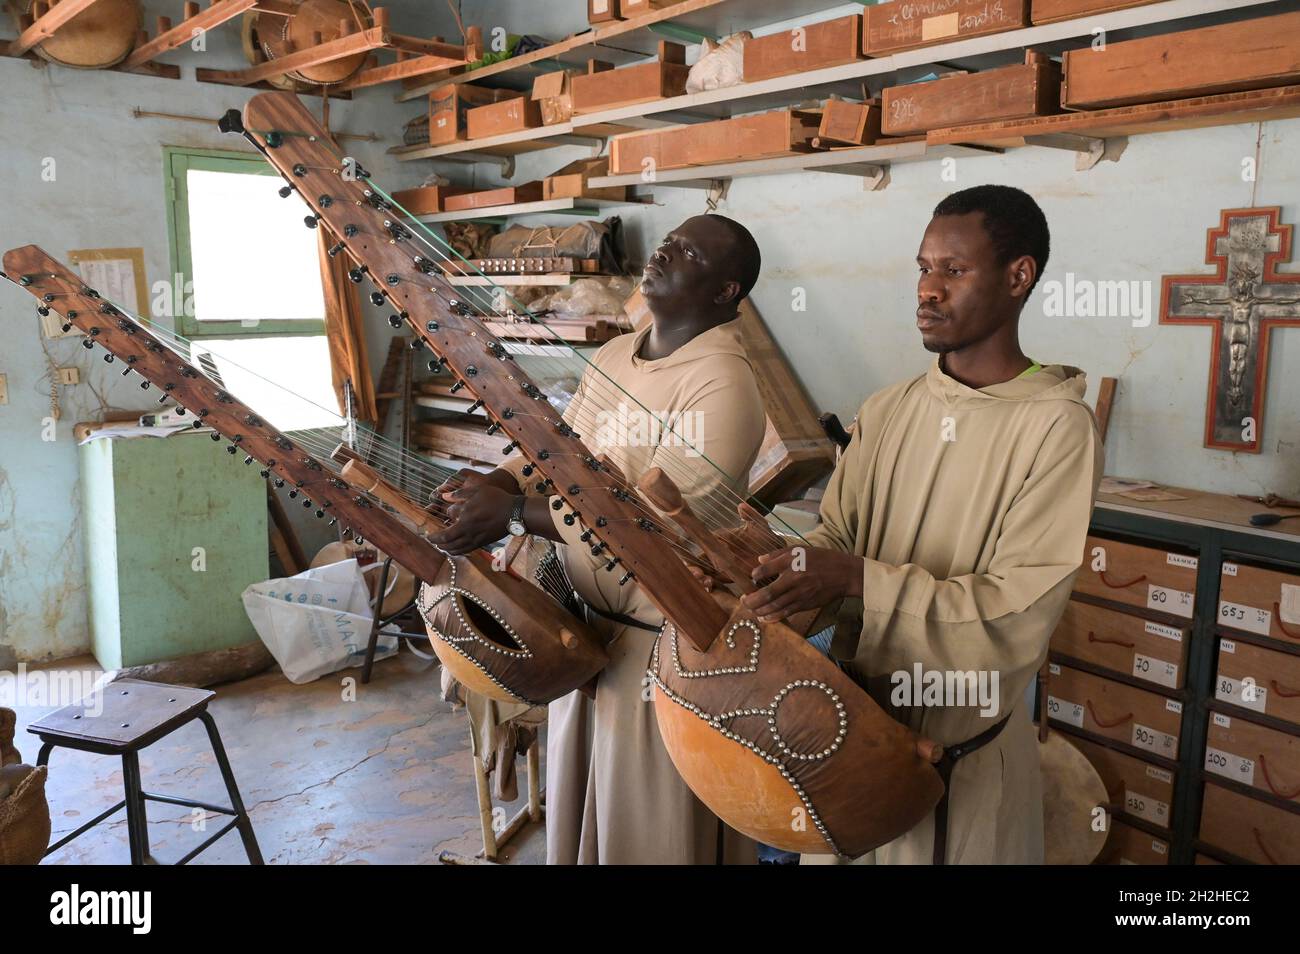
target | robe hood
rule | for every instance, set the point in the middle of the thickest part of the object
(1054, 382)
(722, 339)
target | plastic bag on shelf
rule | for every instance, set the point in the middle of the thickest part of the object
(720, 64)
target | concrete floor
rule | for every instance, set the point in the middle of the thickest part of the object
(384, 779)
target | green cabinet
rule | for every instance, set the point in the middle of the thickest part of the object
(175, 529)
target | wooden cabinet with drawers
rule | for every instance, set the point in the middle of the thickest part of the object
(1133, 786)
(1145, 720)
(1263, 680)
(1145, 649)
(1255, 755)
(1249, 828)
(1147, 578)
(1262, 601)
(1128, 845)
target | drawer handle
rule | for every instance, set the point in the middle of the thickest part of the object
(1120, 586)
(1277, 615)
(1105, 725)
(1286, 692)
(1259, 840)
(1094, 638)
(1269, 781)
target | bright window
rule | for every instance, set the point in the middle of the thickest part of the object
(246, 285)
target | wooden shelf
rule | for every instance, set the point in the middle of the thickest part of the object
(865, 161)
(982, 52)
(507, 144)
(578, 207)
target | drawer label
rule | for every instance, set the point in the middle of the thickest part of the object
(1173, 705)
(1151, 809)
(936, 28)
(1160, 629)
(1229, 569)
(1155, 670)
(1181, 559)
(1288, 609)
(1230, 766)
(1160, 775)
(1065, 711)
(1222, 721)
(1158, 847)
(1053, 669)
(1227, 646)
(1245, 692)
(1161, 743)
(1168, 600)
(1250, 618)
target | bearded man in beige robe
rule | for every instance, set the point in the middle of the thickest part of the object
(679, 394)
(953, 527)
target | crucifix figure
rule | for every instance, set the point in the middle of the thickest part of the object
(1242, 300)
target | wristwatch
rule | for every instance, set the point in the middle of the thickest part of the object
(516, 523)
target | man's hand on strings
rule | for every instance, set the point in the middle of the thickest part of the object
(477, 510)
(806, 578)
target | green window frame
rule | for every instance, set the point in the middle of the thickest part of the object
(177, 161)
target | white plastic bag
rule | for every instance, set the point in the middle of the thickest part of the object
(317, 622)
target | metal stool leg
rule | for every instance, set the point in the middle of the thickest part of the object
(44, 757)
(375, 622)
(137, 816)
(244, 823)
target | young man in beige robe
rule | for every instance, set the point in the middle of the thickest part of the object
(613, 794)
(954, 524)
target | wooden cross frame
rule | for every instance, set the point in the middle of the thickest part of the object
(1243, 300)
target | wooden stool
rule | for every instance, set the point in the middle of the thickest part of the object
(135, 715)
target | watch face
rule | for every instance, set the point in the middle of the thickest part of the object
(516, 528)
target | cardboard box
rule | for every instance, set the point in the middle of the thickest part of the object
(1230, 58)
(496, 119)
(426, 200)
(811, 47)
(1051, 11)
(571, 181)
(848, 124)
(603, 87)
(1009, 92)
(506, 195)
(603, 11)
(448, 106)
(554, 97)
(776, 133)
(905, 24)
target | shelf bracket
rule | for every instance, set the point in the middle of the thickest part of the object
(1088, 150)
(506, 164)
(875, 176)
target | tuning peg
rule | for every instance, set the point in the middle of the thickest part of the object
(265, 472)
(596, 548)
(333, 522)
(108, 357)
(416, 344)
(87, 343)
(350, 230)
(293, 494)
(626, 577)
(557, 504)
(274, 140)
(42, 310)
(376, 298)
(215, 436)
(528, 470)
(197, 424)
(232, 450)
(279, 482)
(67, 326)
(179, 410)
(144, 385)
(248, 460)
(306, 504)
(585, 536)
(320, 514)
(162, 399)
(335, 249)
(286, 191)
(435, 365)
(311, 221)
(611, 564)
(456, 387)
(299, 169)
(357, 274)
(395, 321)
(570, 519)
(493, 428)
(358, 540)
(325, 201)
(510, 449)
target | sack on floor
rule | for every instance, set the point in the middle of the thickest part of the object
(317, 622)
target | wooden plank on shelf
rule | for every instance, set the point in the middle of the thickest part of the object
(360, 42)
(1008, 92)
(46, 25)
(781, 132)
(903, 24)
(465, 439)
(1050, 11)
(1281, 102)
(218, 13)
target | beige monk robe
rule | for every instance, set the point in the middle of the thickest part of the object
(613, 795)
(971, 508)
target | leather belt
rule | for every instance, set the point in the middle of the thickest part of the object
(620, 618)
(951, 755)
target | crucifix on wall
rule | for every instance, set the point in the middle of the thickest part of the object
(1242, 300)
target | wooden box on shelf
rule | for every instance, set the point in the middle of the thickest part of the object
(1145, 577)
(1114, 710)
(1260, 600)
(603, 11)
(1009, 92)
(776, 133)
(1128, 845)
(506, 195)
(448, 106)
(904, 24)
(554, 97)
(812, 47)
(1137, 787)
(848, 124)
(603, 87)
(1050, 11)
(1263, 680)
(1249, 828)
(426, 200)
(1228, 58)
(1147, 650)
(570, 182)
(1254, 755)
(496, 119)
